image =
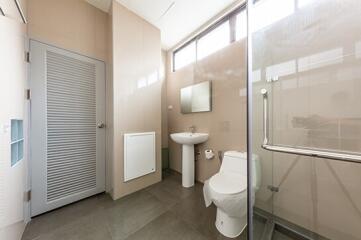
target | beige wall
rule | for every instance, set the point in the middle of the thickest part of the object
(13, 79)
(74, 25)
(109, 107)
(226, 123)
(136, 56)
(315, 103)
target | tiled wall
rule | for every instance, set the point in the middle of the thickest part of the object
(71, 24)
(136, 96)
(165, 149)
(226, 123)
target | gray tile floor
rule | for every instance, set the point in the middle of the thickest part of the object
(163, 211)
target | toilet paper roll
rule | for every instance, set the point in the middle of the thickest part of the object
(209, 154)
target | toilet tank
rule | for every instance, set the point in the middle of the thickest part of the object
(236, 162)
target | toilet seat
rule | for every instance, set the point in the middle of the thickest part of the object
(228, 183)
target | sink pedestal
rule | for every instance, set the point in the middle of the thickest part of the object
(187, 165)
(188, 140)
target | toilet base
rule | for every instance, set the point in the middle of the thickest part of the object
(230, 227)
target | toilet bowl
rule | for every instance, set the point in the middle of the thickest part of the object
(228, 191)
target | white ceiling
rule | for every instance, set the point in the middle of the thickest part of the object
(101, 4)
(177, 19)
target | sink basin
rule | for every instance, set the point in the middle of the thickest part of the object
(188, 140)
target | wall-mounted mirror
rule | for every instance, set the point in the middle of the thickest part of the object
(196, 98)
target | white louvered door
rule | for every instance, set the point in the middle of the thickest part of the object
(67, 136)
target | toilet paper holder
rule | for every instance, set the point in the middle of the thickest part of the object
(209, 154)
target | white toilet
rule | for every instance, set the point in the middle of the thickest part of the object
(228, 191)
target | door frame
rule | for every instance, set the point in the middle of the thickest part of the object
(27, 145)
(29, 184)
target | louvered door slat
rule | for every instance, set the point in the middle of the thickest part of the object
(64, 100)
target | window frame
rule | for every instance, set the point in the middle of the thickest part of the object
(231, 17)
(181, 48)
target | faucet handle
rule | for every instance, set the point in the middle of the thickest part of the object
(192, 129)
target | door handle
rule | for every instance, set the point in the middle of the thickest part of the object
(101, 125)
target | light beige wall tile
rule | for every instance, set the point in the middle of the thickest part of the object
(71, 24)
(163, 76)
(136, 91)
(109, 107)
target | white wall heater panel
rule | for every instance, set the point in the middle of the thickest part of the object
(139, 155)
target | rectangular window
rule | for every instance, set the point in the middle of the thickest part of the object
(232, 27)
(185, 55)
(216, 39)
(17, 141)
(241, 25)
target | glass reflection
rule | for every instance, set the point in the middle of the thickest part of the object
(151, 79)
(309, 61)
(269, 12)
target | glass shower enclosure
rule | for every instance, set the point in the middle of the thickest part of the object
(304, 87)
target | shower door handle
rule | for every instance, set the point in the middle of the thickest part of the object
(311, 152)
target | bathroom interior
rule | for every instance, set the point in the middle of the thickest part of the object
(180, 119)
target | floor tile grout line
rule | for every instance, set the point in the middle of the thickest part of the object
(145, 225)
(103, 204)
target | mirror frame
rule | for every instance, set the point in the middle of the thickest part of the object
(193, 85)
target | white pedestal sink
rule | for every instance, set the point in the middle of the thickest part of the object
(188, 140)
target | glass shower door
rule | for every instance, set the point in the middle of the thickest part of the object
(306, 54)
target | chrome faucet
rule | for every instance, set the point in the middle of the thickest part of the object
(192, 129)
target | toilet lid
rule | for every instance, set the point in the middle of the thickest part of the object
(229, 183)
